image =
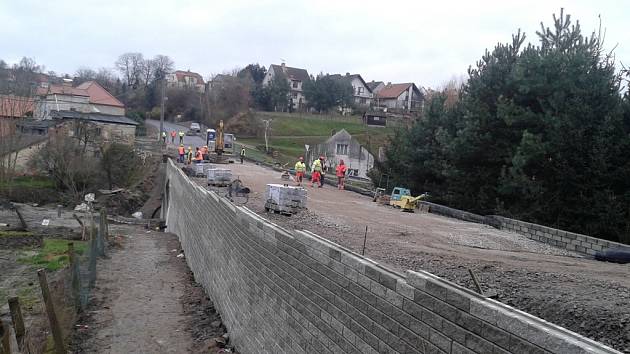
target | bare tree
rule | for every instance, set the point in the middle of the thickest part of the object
(130, 66)
(163, 65)
(148, 71)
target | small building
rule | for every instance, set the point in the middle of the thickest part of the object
(186, 79)
(12, 109)
(104, 128)
(88, 97)
(342, 146)
(375, 119)
(295, 77)
(404, 97)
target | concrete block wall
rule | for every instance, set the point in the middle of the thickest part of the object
(564, 239)
(294, 292)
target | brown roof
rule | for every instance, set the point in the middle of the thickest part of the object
(15, 106)
(62, 90)
(349, 78)
(182, 74)
(291, 73)
(99, 95)
(393, 90)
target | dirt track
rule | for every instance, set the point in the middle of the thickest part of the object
(584, 295)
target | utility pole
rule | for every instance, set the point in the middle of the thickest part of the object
(162, 109)
(267, 122)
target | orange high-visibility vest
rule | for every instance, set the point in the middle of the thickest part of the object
(199, 156)
(181, 150)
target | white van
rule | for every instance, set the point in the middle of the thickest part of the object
(195, 127)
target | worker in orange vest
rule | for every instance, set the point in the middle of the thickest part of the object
(173, 135)
(198, 156)
(341, 174)
(204, 152)
(182, 151)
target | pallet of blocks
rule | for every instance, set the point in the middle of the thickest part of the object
(285, 199)
(220, 177)
(201, 168)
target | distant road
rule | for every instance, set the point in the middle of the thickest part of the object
(193, 141)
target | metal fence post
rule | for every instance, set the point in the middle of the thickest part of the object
(50, 311)
(92, 258)
(18, 321)
(76, 276)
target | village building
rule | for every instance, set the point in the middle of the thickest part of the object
(342, 146)
(375, 119)
(88, 97)
(295, 77)
(186, 79)
(360, 90)
(375, 86)
(103, 129)
(404, 97)
(12, 109)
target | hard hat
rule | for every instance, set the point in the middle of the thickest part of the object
(301, 158)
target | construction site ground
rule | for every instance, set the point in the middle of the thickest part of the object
(581, 294)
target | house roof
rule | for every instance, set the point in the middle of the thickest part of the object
(374, 84)
(62, 90)
(349, 78)
(96, 117)
(342, 133)
(15, 106)
(180, 75)
(393, 90)
(99, 95)
(291, 73)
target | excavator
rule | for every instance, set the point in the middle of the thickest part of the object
(220, 143)
(402, 198)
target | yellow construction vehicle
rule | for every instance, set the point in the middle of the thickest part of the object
(402, 198)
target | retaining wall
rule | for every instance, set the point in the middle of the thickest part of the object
(294, 292)
(564, 239)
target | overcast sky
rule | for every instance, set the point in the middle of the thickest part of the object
(398, 41)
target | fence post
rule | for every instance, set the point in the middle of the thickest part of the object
(5, 338)
(50, 310)
(93, 255)
(76, 276)
(100, 236)
(105, 224)
(18, 321)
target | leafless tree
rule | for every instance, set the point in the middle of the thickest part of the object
(163, 65)
(148, 71)
(130, 66)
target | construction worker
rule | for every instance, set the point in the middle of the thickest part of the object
(164, 137)
(182, 151)
(316, 172)
(300, 169)
(189, 155)
(323, 173)
(173, 135)
(242, 154)
(198, 156)
(204, 152)
(341, 174)
(181, 137)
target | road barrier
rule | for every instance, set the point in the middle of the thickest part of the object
(295, 292)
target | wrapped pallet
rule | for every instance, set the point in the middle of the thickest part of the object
(201, 168)
(219, 176)
(285, 199)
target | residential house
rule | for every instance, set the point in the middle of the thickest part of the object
(184, 79)
(89, 97)
(404, 97)
(12, 108)
(296, 79)
(104, 128)
(218, 81)
(375, 86)
(342, 146)
(361, 91)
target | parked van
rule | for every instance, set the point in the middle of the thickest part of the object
(195, 127)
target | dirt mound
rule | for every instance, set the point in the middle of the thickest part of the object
(243, 123)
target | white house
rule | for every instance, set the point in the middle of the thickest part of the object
(361, 91)
(404, 97)
(342, 146)
(296, 78)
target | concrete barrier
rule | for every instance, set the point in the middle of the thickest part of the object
(295, 292)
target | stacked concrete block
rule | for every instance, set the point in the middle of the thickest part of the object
(200, 168)
(295, 292)
(285, 199)
(219, 176)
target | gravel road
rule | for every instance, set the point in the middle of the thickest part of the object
(584, 295)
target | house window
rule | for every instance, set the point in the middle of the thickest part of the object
(363, 100)
(359, 90)
(295, 84)
(342, 149)
(294, 94)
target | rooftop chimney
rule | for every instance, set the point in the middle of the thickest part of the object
(282, 64)
(67, 82)
(347, 74)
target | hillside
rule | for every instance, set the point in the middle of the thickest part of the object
(290, 131)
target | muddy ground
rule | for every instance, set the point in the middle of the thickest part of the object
(583, 295)
(146, 300)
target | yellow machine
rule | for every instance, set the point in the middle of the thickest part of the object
(402, 198)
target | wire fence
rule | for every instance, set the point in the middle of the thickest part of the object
(65, 294)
